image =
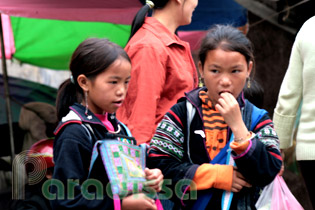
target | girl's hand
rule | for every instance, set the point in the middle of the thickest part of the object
(282, 166)
(138, 201)
(155, 178)
(238, 181)
(230, 111)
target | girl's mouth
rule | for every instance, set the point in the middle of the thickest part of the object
(225, 91)
(118, 103)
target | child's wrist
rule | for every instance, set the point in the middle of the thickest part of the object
(240, 140)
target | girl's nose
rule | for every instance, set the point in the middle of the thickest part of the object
(121, 90)
(225, 81)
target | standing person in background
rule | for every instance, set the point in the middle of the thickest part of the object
(298, 84)
(162, 65)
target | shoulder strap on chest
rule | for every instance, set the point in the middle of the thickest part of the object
(190, 115)
(252, 115)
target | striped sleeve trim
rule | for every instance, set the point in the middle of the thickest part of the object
(276, 155)
(263, 123)
(168, 139)
(176, 117)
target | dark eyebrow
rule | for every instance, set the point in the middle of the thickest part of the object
(213, 65)
(237, 66)
(116, 77)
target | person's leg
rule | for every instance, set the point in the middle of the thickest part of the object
(308, 174)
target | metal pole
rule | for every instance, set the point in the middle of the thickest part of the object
(7, 92)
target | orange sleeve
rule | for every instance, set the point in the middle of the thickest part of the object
(214, 176)
(239, 147)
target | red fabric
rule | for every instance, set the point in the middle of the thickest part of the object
(120, 12)
(43, 149)
(162, 70)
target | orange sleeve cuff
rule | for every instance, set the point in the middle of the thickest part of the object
(239, 148)
(214, 176)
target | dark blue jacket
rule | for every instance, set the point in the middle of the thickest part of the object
(72, 154)
(259, 165)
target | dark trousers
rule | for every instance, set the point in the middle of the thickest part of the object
(307, 168)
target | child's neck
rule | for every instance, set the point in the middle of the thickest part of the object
(104, 119)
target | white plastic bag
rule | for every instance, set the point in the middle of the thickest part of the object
(265, 198)
(277, 196)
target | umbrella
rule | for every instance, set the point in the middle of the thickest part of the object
(21, 92)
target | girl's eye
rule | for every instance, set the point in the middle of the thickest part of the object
(235, 71)
(127, 82)
(113, 82)
(214, 71)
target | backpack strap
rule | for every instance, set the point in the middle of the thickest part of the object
(190, 115)
(88, 129)
(252, 115)
(126, 128)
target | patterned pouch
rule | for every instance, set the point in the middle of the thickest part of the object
(124, 163)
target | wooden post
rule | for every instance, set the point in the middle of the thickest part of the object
(7, 92)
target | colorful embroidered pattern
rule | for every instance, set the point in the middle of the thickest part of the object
(124, 164)
(269, 137)
(168, 138)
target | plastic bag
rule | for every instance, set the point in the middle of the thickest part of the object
(277, 196)
(265, 198)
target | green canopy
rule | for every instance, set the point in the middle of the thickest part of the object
(34, 36)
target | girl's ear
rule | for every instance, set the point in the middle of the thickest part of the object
(83, 82)
(200, 69)
(250, 67)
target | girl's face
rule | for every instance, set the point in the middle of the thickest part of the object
(108, 90)
(188, 9)
(224, 71)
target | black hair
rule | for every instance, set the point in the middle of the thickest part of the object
(228, 38)
(92, 57)
(141, 14)
(254, 93)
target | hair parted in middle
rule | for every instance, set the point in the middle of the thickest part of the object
(227, 38)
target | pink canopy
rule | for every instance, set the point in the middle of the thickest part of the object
(114, 11)
(8, 38)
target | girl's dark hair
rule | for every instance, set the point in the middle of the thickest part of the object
(141, 14)
(255, 93)
(92, 57)
(228, 38)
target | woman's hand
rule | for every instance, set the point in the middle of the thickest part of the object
(138, 201)
(230, 111)
(238, 181)
(155, 178)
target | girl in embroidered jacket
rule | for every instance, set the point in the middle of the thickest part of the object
(229, 148)
(88, 101)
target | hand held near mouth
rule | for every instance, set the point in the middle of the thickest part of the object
(230, 110)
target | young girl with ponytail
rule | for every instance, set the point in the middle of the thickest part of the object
(86, 106)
